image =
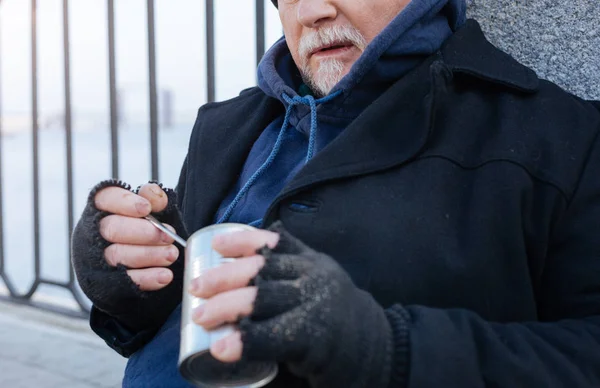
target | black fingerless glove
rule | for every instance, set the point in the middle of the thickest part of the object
(109, 288)
(309, 315)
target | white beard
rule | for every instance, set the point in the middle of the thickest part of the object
(330, 71)
(329, 74)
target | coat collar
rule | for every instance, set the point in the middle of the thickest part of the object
(412, 101)
(469, 52)
(391, 131)
(396, 127)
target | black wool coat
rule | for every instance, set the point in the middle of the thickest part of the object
(468, 193)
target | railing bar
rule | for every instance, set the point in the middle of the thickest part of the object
(70, 287)
(114, 113)
(12, 290)
(68, 133)
(1, 176)
(153, 100)
(32, 290)
(210, 50)
(35, 141)
(4, 276)
(55, 283)
(46, 307)
(260, 30)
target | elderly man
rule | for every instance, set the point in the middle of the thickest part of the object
(429, 214)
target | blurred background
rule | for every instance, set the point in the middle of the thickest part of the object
(35, 159)
(89, 90)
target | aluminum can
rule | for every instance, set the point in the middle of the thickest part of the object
(196, 364)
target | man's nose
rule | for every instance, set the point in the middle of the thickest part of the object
(313, 13)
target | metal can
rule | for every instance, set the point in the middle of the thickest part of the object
(196, 364)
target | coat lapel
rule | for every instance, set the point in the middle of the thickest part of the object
(375, 141)
(396, 127)
(221, 144)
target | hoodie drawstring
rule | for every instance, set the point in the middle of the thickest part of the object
(292, 102)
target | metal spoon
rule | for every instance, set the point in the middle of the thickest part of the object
(166, 230)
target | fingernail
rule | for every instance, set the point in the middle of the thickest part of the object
(172, 254)
(143, 207)
(198, 314)
(195, 287)
(164, 277)
(166, 238)
(158, 192)
(218, 240)
(220, 347)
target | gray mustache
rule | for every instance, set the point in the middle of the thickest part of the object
(327, 36)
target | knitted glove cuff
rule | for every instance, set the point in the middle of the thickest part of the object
(371, 364)
(109, 288)
(399, 320)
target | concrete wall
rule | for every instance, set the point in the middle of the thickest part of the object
(559, 39)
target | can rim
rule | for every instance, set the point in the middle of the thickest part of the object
(184, 370)
(222, 226)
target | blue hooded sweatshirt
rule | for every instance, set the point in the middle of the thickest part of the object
(289, 142)
(307, 127)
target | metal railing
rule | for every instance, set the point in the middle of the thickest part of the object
(70, 285)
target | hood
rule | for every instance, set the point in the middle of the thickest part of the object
(417, 32)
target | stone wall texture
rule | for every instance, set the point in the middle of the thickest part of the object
(559, 39)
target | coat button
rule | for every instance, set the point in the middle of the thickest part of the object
(304, 206)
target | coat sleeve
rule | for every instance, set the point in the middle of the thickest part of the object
(457, 348)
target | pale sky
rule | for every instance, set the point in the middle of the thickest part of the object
(180, 34)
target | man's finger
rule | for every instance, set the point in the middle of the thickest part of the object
(133, 231)
(227, 277)
(245, 243)
(155, 195)
(140, 256)
(228, 349)
(151, 279)
(227, 307)
(117, 200)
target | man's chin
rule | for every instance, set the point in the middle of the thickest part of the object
(321, 86)
(323, 83)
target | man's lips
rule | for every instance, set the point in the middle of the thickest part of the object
(332, 49)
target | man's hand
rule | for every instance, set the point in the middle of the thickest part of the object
(124, 264)
(226, 287)
(135, 242)
(302, 309)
